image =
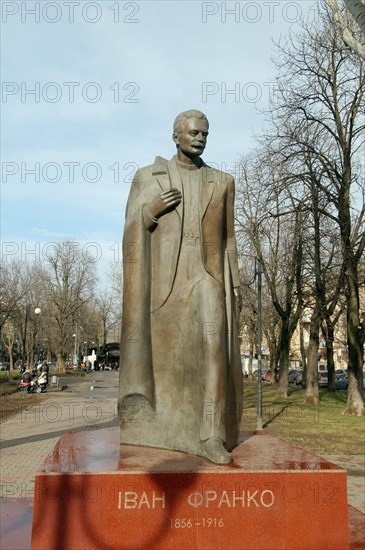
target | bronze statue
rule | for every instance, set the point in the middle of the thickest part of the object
(180, 369)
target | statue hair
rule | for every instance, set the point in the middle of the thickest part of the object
(183, 117)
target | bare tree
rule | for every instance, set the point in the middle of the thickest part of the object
(324, 275)
(70, 284)
(321, 86)
(108, 312)
(14, 286)
(8, 338)
(22, 294)
(266, 216)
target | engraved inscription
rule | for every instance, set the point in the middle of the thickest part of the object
(133, 500)
(232, 499)
(188, 523)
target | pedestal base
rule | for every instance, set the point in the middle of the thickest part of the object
(95, 494)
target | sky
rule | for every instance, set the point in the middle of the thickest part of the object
(90, 91)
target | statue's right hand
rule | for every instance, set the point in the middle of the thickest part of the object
(165, 202)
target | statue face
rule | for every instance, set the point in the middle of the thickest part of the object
(193, 137)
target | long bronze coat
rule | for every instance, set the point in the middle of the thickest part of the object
(150, 253)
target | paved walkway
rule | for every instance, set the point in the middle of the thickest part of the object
(355, 466)
(28, 437)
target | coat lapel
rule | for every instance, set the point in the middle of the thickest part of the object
(167, 175)
(159, 170)
(176, 182)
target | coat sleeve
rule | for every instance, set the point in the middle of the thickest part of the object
(231, 239)
(234, 382)
(136, 375)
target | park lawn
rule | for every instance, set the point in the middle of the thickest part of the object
(9, 384)
(18, 402)
(320, 429)
(12, 400)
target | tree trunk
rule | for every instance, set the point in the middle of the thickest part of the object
(11, 362)
(104, 332)
(355, 400)
(303, 355)
(31, 359)
(60, 365)
(311, 392)
(8, 344)
(355, 392)
(272, 373)
(250, 367)
(273, 350)
(284, 349)
(330, 356)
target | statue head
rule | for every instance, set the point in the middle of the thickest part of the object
(191, 132)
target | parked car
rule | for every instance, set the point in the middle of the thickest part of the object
(298, 379)
(295, 376)
(323, 379)
(264, 372)
(342, 382)
(338, 372)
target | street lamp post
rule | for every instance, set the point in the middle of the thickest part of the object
(75, 357)
(86, 355)
(24, 339)
(259, 344)
(37, 313)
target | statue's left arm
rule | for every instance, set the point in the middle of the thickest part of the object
(231, 240)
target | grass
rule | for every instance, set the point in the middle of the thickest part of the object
(9, 384)
(320, 429)
(18, 402)
(13, 375)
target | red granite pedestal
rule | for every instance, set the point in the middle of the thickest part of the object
(93, 493)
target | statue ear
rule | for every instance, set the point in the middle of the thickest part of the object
(175, 137)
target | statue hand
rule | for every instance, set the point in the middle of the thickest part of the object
(165, 202)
